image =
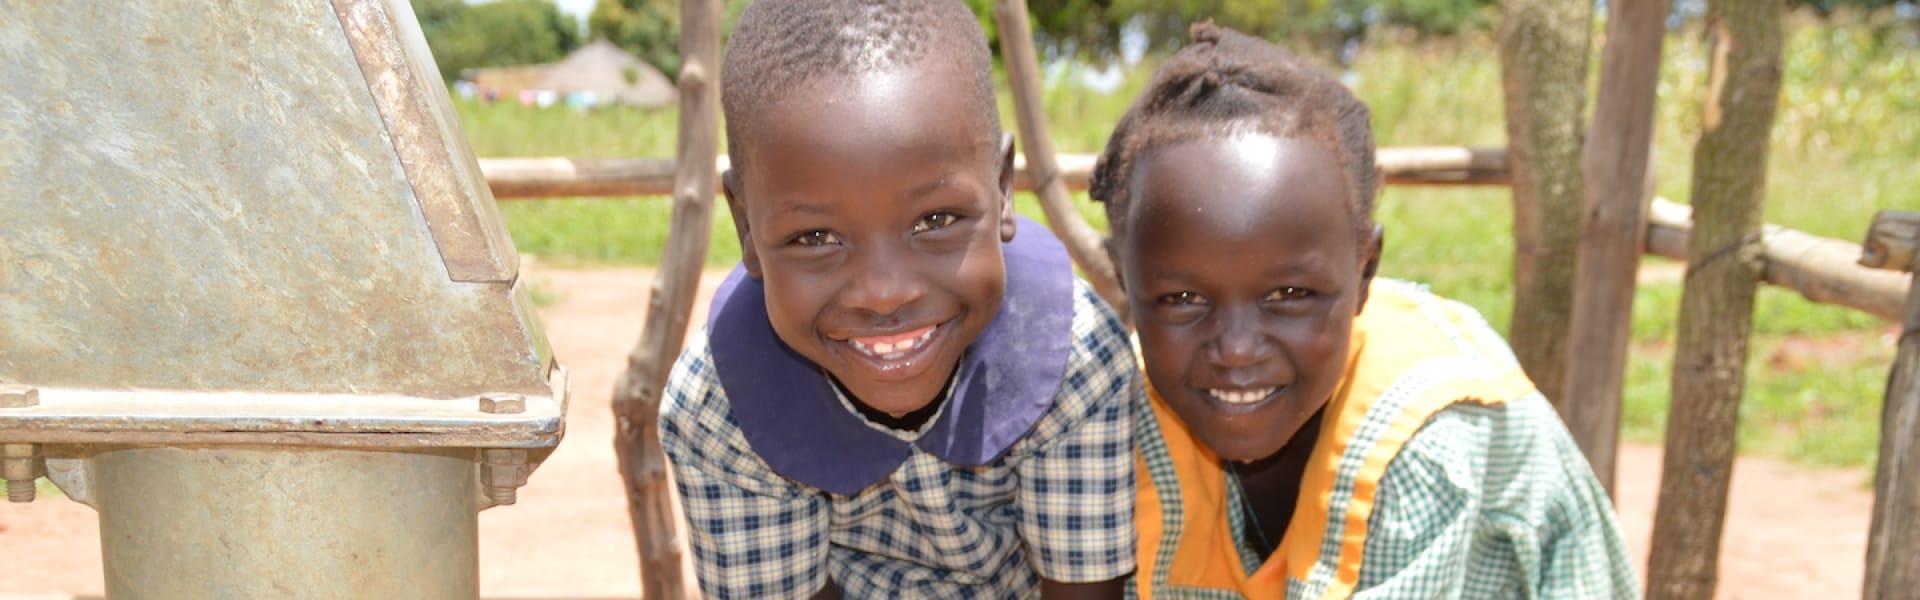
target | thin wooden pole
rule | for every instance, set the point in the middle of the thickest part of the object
(1894, 539)
(1821, 269)
(1612, 230)
(1543, 68)
(1724, 267)
(547, 177)
(636, 398)
(1023, 75)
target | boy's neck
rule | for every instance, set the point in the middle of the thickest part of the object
(909, 422)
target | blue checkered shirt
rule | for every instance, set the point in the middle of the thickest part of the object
(1057, 505)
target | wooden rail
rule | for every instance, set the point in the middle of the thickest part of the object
(1822, 269)
(524, 178)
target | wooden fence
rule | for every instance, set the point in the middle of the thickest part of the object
(1617, 221)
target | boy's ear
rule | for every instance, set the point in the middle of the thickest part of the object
(1371, 256)
(737, 205)
(1007, 225)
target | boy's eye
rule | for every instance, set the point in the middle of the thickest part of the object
(1183, 299)
(934, 220)
(817, 237)
(1284, 294)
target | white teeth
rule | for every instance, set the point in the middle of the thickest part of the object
(1241, 396)
(892, 350)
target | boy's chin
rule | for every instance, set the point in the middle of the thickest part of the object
(898, 397)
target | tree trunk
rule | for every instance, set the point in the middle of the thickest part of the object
(1716, 308)
(1543, 58)
(1613, 230)
(1895, 539)
(636, 398)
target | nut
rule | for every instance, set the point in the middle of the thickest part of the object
(503, 404)
(13, 395)
(502, 472)
(20, 466)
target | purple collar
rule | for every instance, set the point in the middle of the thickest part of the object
(1006, 381)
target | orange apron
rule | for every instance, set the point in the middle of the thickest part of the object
(1430, 354)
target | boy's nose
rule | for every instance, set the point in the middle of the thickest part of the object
(883, 288)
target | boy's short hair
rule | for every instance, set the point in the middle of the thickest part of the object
(1225, 83)
(778, 45)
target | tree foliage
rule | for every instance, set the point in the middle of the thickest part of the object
(506, 32)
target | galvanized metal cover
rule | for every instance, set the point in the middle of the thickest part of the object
(240, 202)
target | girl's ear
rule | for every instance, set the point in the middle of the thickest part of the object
(1007, 225)
(737, 205)
(1371, 263)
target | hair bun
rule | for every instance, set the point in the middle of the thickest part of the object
(1204, 32)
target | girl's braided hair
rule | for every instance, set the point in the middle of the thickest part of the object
(1225, 83)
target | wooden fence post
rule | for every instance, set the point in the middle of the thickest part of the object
(1023, 75)
(1543, 69)
(1612, 230)
(636, 398)
(1894, 540)
(1724, 262)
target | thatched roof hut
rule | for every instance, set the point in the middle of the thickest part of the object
(610, 74)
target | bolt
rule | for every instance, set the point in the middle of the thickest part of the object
(20, 465)
(13, 395)
(502, 472)
(503, 404)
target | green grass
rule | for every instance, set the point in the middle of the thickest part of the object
(1844, 145)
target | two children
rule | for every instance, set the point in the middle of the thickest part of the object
(897, 396)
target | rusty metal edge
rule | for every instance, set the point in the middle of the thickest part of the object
(458, 207)
(70, 416)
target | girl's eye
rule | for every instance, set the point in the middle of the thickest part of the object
(934, 220)
(1289, 293)
(1183, 299)
(817, 237)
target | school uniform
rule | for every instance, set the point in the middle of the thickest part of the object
(1025, 471)
(1440, 472)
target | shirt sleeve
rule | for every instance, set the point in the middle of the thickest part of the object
(753, 533)
(1494, 501)
(1075, 496)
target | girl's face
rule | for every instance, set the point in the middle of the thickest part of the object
(1246, 271)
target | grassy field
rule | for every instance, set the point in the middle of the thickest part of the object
(1845, 145)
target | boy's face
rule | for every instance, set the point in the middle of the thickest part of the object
(1245, 266)
(873, 207)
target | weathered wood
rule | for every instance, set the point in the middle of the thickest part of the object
(1724, 266)
(1023, 76)
(1543, 72)
(636, 398)
(1613, 223)
(1894, 539)
(1821, 269)
(519, 178)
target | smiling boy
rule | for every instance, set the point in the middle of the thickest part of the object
(1317, 433)
(896, 396)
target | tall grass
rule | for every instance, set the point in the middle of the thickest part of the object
(1846, 143)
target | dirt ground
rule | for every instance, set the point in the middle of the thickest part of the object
(1792, 532)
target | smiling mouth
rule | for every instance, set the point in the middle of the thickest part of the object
(1242, 397)
(894, 346)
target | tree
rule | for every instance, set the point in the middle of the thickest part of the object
(650, 29)
(507, 32)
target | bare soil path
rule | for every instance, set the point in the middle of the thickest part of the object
(1792, 532)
